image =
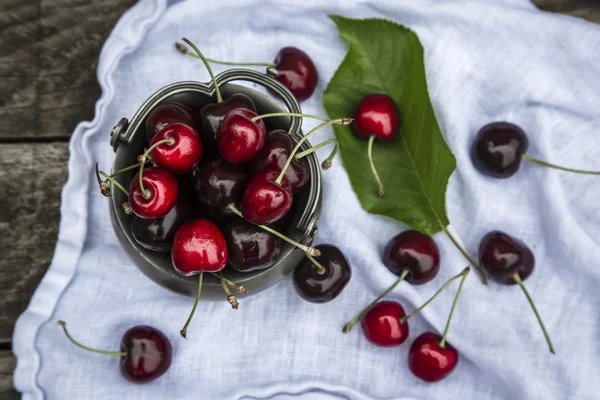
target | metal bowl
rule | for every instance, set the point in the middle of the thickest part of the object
(127, 139)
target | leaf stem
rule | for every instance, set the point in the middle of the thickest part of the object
(63, 325)
(547, 164)
(464, 274)
(183, 331)
(381, 193)
(466, 255)
(207, 65)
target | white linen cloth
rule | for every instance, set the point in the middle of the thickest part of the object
(485, 61)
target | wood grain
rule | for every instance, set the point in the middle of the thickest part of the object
(588, 9)
(7, 366)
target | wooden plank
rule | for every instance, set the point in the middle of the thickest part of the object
(31, 176)
(7, 366)
(588, 9)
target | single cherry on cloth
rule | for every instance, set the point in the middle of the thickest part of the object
(164, 115)
(413, 251)
(321, 279)
(382, 324)
(274, 155)
(250, 248)
(155, 195)
(376, 116)
(268, 197)
(240, 138)
(509, 261)
(181, 148)
(218, 183)
(145, 354)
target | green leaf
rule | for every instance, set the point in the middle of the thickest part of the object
(384, 57)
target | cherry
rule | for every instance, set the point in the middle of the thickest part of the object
(268, 197)
(240, 137)
(218, 183)
(154, 194)
(382, 326)
(275, 153)
(414, 252)
(181, 148)
(146, 353)
(250, 248)
(508, 261)
(164, 115)
(198, 247)
(428, 360)
(322, 279)
(377, 116)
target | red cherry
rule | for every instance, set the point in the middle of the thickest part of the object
(164, 115)
(377, 115)
(266, 201)
(381, 324)
(210, 116)
(181, 156)
(199, 246)
(160, 196)
(297, 72)
(413, 251)
(429, 361)
(240, 139)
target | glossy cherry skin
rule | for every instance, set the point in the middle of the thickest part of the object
(212, 115)
(297, 72)
(265, 201)
(414, 251)
(275, 153)
(199, 246)
(183, 155)
(218, 184)
(501, 256)
(239, 139)
(157, 234)
(376, 115)
(164, 115)
(318, 287)
(381, 324)
(498, 149)
(250, 247)
(149, 354)
(163, 188)
(430, 362)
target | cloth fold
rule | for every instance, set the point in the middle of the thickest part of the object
(485, 61)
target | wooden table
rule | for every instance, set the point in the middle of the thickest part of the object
(48, 56)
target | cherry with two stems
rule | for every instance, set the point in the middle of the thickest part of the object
(145, 354)
(293, 67)
(164, 115)
(509, 261)
(499, 148)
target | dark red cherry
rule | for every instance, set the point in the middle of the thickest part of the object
(199, 246)
(210, 116)
(275, 153)
(317, 286)
(265, 201)
(239, 139)
(501, 255)
(415, 252)
(297, 72)
(149, 354)
(498, 149)
(381, 324)
(219, 184)
(376, 115)
(429, 361)
(181, 156)
(157, 234)
(164, 115)
(250, 247)
(161, 189)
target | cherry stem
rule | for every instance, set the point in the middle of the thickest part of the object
(381, 193)
(134, 166)
(310, 251)
(484, 279)
(114, 182)
(207, 65)
(185, 50)
(517, 279)
(231, 299)
(342, 121)
(321, 269)
(547, 164)
(328, 161)
(358, 316)
(238, 288)
(142, 163)
(440, 290)
(465, 273)
(63, 325)
(183, 331)
(315, 148)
